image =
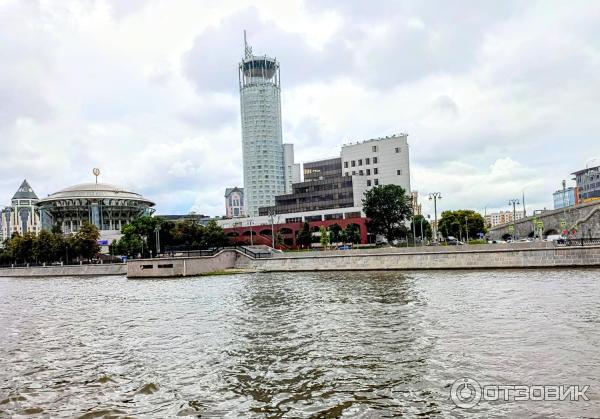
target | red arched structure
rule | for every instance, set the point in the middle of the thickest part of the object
(289, 231)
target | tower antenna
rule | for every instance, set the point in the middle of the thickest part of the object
(247, 48)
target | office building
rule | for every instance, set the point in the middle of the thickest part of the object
(588, 184)
(382, 161)
(291, 169)
(234, 202)
(262, 146)
(566, 198)
(502, 217)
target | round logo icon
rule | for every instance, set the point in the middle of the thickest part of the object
(465, 393)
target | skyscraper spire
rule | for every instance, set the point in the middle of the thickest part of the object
(247, 48)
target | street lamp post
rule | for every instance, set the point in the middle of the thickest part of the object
(435, 196)
(514, 203)
(157, 231)
(250, 223)
(422, 219)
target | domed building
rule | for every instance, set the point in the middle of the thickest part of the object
(108, 207)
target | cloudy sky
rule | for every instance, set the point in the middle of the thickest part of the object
(497, 96)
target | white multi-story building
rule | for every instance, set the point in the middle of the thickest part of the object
(291, 169)
(21, 217)
(262, 146)
(382, 161)
(502, 217)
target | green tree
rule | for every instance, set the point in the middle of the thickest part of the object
(387, 207)
(304, 236)
(85, 241)
(214, 235)
(324, 238)
(335, 233)
(352, 233)
(21, 247)
(188, 233)
(455, 223)
(44, 250)
(130, 243)
(416, 223)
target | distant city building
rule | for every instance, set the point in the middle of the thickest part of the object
(382, 161)
(269, 169)
(416, 207)
(588, 184)
(234, 202)
(502, 217)
(566, 198)
(106, 206)
(21, 217)
(291, 169)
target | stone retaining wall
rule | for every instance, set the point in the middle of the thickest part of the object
(181, 266)
(70, 270)
(463, 259)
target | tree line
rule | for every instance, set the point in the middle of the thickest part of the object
(51, 246)
(140, 236)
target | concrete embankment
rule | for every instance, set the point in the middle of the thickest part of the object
(182, 266)
(441, 258)
(543, 255)
(70, 270)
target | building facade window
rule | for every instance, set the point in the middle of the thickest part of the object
(376, 181)
(345, 165)
(360, 162)
(374, 149)
(367, 161)
(368, 172)
(397, 149)
(368, 182)
(353, 163)
(375, 160)
(399, 172)
(376, 171)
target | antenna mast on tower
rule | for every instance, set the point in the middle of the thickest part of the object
(247, 48)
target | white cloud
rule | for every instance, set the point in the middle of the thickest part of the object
(496, 98)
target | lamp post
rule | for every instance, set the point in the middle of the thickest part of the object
(564, 199)
(157, 231)
(435, 196)
(422, 219)
(250, 223)
(514, 203)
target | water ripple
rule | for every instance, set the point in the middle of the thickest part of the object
(322, 345)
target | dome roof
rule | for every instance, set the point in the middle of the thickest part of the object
(95, 190)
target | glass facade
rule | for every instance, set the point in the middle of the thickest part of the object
(262, 145)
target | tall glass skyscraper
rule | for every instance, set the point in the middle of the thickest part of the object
(262, 146)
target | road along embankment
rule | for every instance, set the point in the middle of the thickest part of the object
(68, 270)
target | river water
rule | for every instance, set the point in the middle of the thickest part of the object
(348, 344)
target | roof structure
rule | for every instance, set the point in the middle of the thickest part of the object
(95, 190)
(228, 191)
(25, 191)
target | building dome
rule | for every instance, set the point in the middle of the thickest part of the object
(95, 191)
(107, 206)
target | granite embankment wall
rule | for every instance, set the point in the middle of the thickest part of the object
(527, 257)
(181, 266)
(70, 270)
